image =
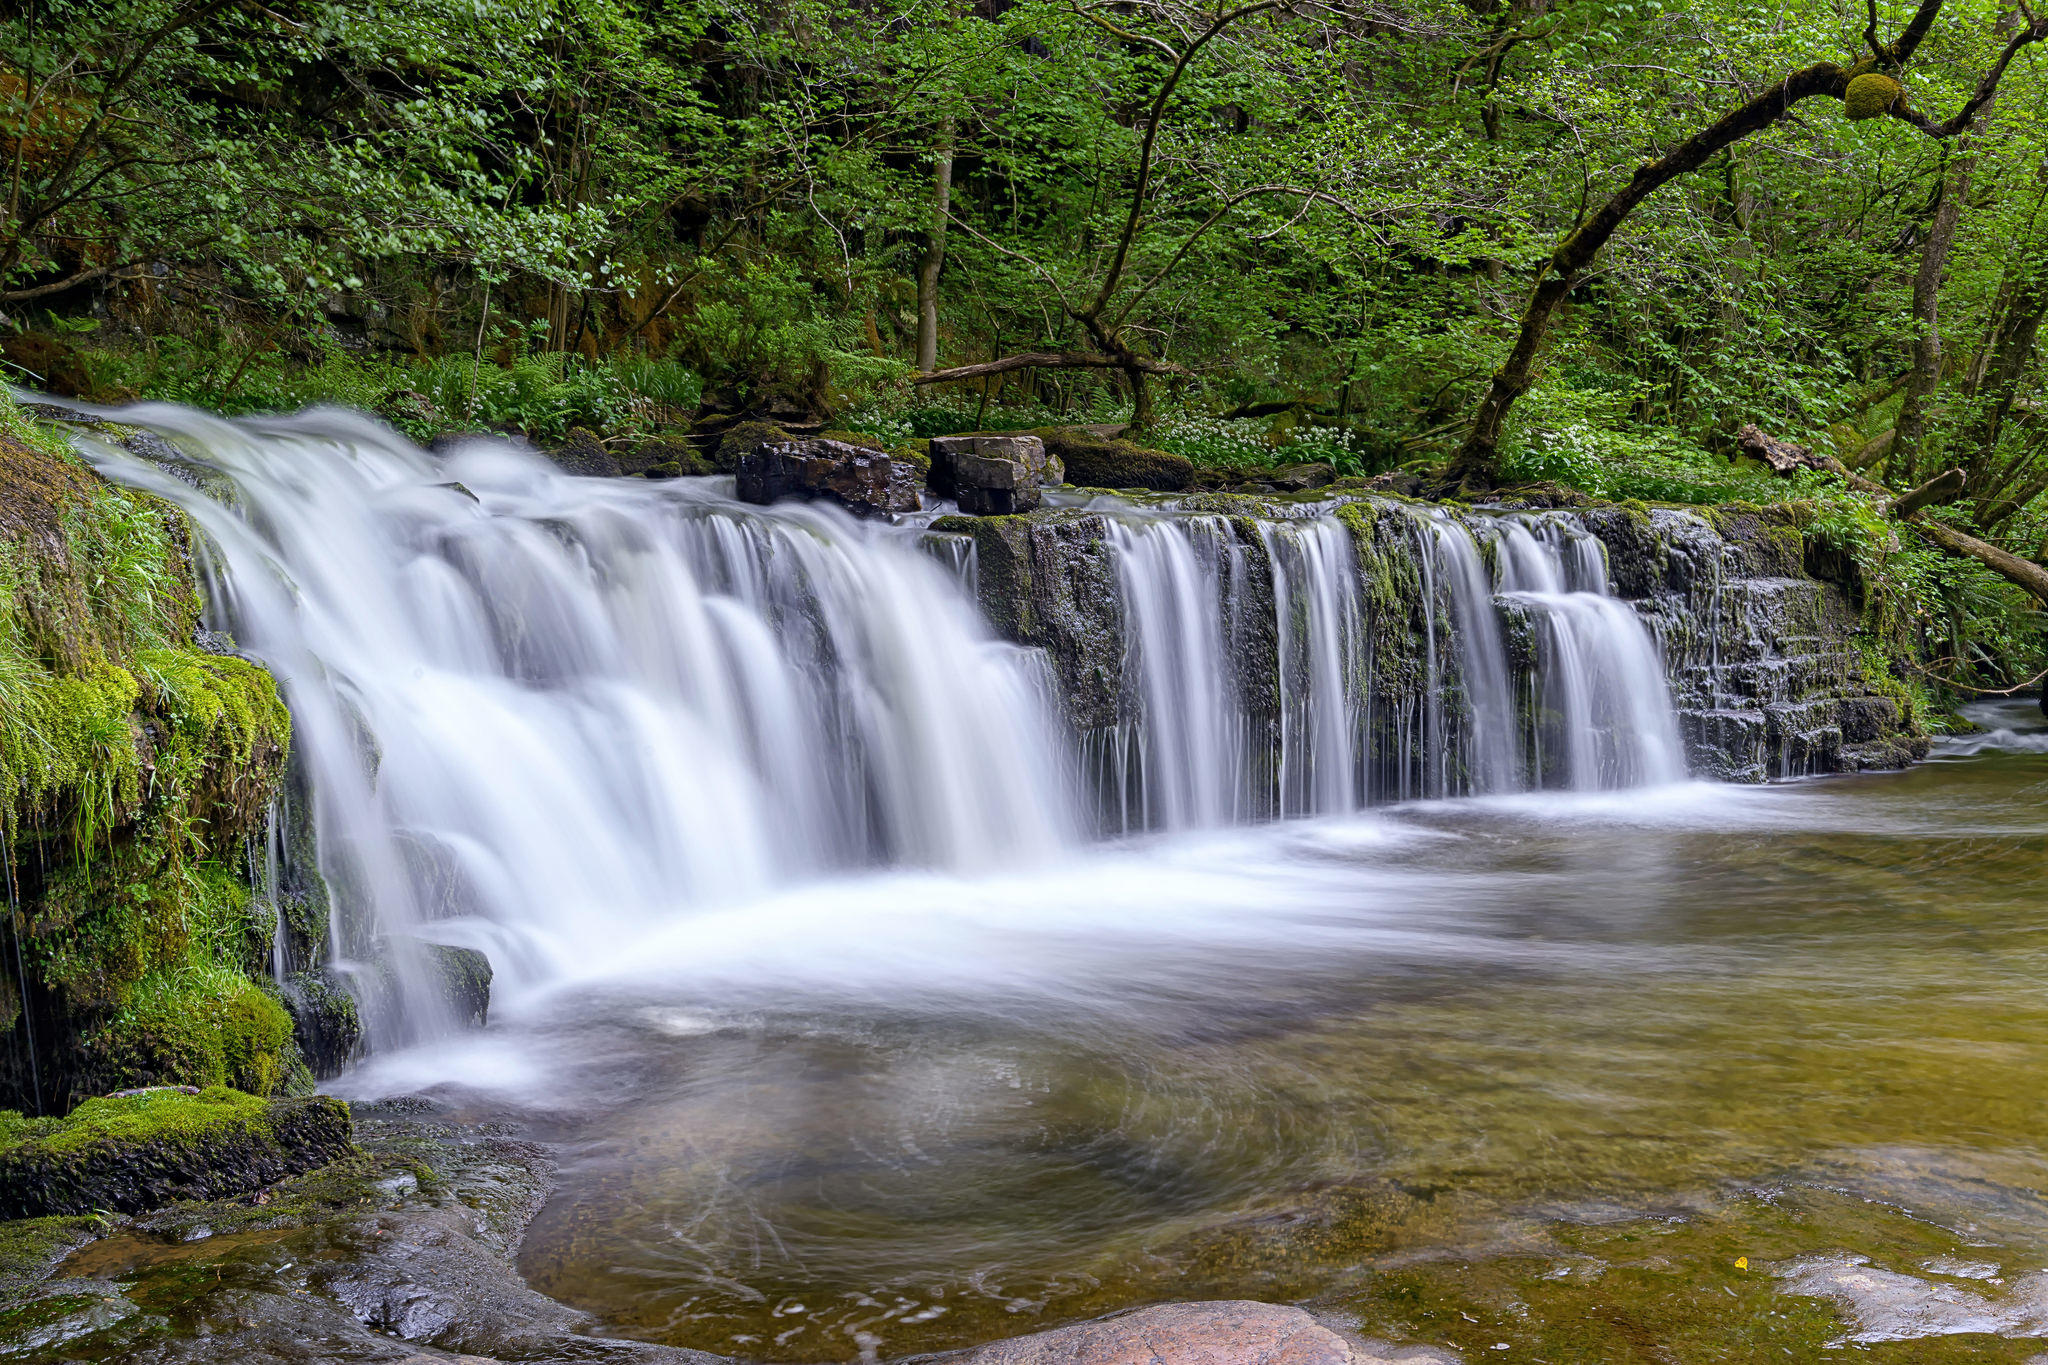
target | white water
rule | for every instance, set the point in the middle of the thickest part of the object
(1219, 739)
(552, 717)
(543, 715)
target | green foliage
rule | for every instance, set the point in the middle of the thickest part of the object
(203, 1026)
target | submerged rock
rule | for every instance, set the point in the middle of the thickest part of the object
(402, 1253)
(992, 475)
(859, 478)
(141, 1151)
(1226, 1332)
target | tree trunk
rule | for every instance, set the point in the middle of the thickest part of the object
(1925, 379)
(934, 253)
(1477, 460)
(2032, 577)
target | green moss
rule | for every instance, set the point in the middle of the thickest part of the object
(1100, 462)
(198, 1027)
(1872, 95)
(916, 454)
(741, 439)
(156, 1115)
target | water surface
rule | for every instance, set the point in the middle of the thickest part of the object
(1522, 1078)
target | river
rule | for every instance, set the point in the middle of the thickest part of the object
(853, 1043)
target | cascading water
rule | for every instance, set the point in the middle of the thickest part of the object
(1252, 693)
(542, 715)
(1599, 684)
(539, 713)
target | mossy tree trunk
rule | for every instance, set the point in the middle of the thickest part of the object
(934, 252)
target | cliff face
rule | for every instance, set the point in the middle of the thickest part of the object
(138, 760)
(1760, 635)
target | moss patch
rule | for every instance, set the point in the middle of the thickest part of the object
(132, 1153)
(134, 768)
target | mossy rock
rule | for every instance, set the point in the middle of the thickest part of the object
(133, 1153)
(325, 1021)
(465, 978)
(1094, 461)
(725, 457)
(665, 457)
(583, 454)
(188, 1027)
(917, 454)
(1872, 95)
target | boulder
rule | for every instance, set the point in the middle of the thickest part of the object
(992, 475)
(1294, 478)
(1229, 1332)
(664, 457)
(583, 454)
(135, 1152)
(1092, 460)
(863, 480)
(465, 980)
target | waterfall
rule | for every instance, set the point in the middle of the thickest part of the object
(1600, 685)
(540, 712)
(1252, 691)
(541, 715)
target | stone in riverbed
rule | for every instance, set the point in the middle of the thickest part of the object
(992, 475)
(861, 479)
(1227, 1332)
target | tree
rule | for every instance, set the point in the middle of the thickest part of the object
(1877, 93)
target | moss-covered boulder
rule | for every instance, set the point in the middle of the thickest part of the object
(1096, 461)
(665, 457)
(136, 1152)
(583, 454)
(325, 1021)
(738, 440)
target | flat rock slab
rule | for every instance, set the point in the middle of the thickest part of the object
(1229, 1332)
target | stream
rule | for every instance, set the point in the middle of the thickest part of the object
(853, 1041)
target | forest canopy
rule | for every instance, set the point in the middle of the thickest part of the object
(1331, 217)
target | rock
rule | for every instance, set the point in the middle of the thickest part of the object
(1095, 461)
(465, 976)
(142, 1151)
(583, 454)
(400, 1255)
(325, 1021)
(1295, 478)
(51, 362)
(1048, 579)
(992, 475)
(1228, 1332)
(859, 478)
(664, 457)
(741, 438)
